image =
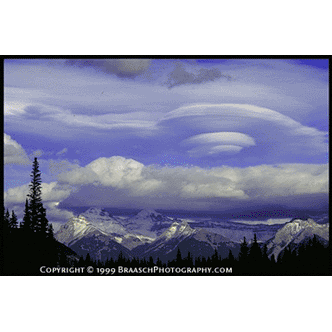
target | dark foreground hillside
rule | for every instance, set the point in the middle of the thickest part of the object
(24, 255)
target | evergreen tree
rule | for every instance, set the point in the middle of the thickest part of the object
(189, 259)
(88, 259)
(230, 257)
(39, 222)
(215, 257)
(50, 231)
(151, 261)
(26, 224)
(244, 250)
(255, 254)
(159, 262)
(178, 258)
(13, 221)
(6, 222)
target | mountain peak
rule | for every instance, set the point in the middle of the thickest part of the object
(296, 231)
(97, 211)
(147, 213)
(178, 229)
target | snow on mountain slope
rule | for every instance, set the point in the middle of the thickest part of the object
(167, 241)
(199, 242)
(294, 232)
(148, 223)
(102, 220)
(209, 237)
(100, 247)
(177, 230)
(131, 241)
(75, 229)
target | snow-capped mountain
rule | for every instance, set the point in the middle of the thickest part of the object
(75, 229)
(150, 233)
(295, 232)
(99, 222)
(166, 242)
(100, 247)
(235, 231)
(102, 220)
(180, 235)
(148, 223)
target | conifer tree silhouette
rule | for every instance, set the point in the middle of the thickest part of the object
(13, 221)
(244, 250)
(255, 254)
(230, 257)
(6, 223)
(39, 222)
(26, 224)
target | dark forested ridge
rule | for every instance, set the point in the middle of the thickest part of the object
(311, 257)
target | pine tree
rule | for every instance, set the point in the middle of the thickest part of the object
(178, 258)
(6, 222)
(230, 257)
(50, 231)
(244, 250)
(13, 221)
(26, 224)
(255, 254)
(39, 222)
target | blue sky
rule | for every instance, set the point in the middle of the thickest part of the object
(207, 134)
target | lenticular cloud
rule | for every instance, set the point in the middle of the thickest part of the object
(205, 129)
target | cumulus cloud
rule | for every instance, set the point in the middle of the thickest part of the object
(51, 192)
(119, 181)
(14, 152)
(116, 172)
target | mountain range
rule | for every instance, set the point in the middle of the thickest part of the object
(152, 234)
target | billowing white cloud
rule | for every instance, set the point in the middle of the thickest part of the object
(52, 195)
(51, 192)
(116, 172)
(117, 180)
(120, 182)
(13, 152)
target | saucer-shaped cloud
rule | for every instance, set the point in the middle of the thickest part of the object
(207, 150)
(268, 133)
(221, 138)
(218, 143)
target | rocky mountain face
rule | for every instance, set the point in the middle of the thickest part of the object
(294, 232)
(150, 233)
(100, 247)
(148, 223)
(75, 229)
